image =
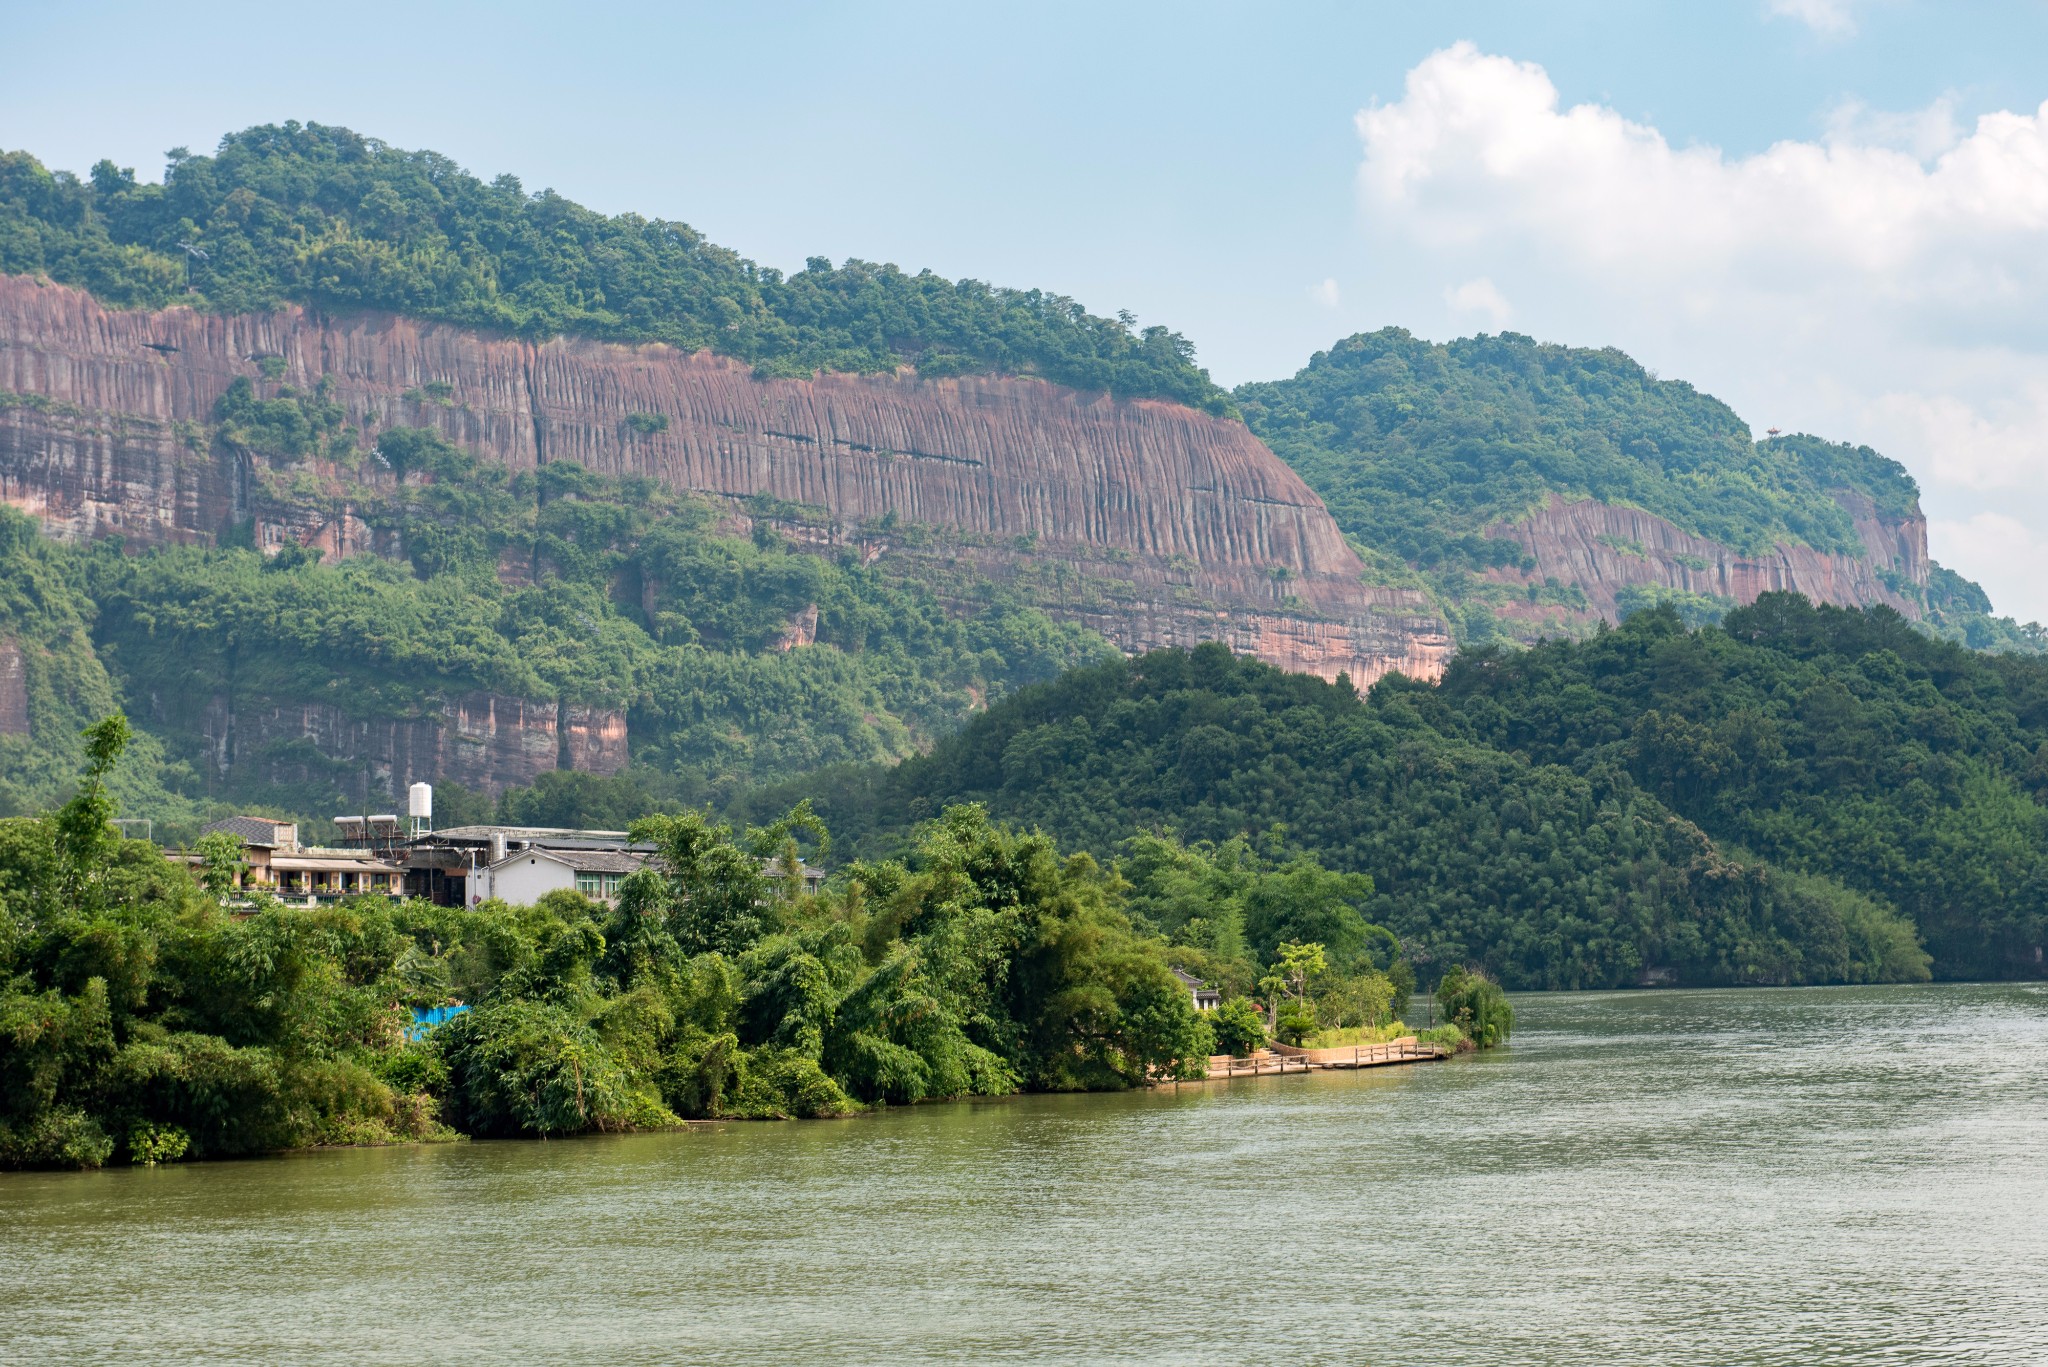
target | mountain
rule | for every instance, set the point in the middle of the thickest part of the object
(554, 420)
(304, 213)
(1803, 794)
(367, 470)
(1538, 488)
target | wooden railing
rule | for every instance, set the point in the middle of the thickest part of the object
(1257, 1064)
(1285, 1058)
(1364, 1055)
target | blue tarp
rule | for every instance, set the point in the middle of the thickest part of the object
(425, 1018)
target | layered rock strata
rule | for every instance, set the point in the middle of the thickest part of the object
(1604, 549)
(481, 740)
(1164, 525)
(106, 446)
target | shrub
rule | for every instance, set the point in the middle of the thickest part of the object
(1477, 1006)
(1238, 1027)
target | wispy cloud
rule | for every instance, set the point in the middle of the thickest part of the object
(1325, 292)
(1480, 295)
(1829, 18)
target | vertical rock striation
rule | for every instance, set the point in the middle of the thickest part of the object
(1148, 521)
(1604, 549)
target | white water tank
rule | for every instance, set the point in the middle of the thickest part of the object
(419, 805)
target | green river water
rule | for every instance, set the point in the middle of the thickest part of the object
(1813, 1176)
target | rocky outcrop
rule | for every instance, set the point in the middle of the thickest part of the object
(591, 738)
(1604, 549)
(481, 740)
(1178, 526)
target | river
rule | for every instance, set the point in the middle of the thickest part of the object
(1828, 1175)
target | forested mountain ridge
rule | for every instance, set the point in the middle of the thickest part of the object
(1801, 795)
(1537, 488)
(321, 215)
(594, 519)
(1031, 478)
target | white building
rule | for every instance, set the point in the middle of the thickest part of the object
(1205, 997)
(523, 877)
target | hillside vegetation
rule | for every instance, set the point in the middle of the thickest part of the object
(736, 658)
(322, 215)
(1418, 447)
(1802, 795)
(141, 1018)
(1830, 741)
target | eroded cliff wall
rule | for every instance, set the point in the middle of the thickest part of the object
(1162, 525)
(481, 740)
(1603, 549)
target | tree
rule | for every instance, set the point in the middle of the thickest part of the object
(1238, 1027)
(86, 837)
(1476, 1005)
(221, 865)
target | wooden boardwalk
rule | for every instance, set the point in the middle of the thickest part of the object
(1282, 1058)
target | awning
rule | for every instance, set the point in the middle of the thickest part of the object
(294, 863)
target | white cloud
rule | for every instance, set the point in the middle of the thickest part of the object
(1997, 443)
(1480, 295)
(1925, 133)
(1829, 18)
(1991, 547)
(1325, 293)
(1886, 283)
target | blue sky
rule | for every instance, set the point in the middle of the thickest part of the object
(1206, 167)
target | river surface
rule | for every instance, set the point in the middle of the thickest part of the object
(1808, 1176)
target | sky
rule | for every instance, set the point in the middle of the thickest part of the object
(1832, 214)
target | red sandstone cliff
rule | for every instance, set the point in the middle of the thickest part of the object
(1603, 549)
(1174, 527)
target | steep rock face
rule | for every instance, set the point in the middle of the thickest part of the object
(1604, 549)
(482, 740)
(1196, 529)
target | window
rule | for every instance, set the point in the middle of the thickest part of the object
(589, 884)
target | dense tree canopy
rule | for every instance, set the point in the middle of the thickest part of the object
(1798, 797)
(1835, 742)
(321, 215)
(145, 1019)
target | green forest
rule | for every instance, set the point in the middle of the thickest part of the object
(320, 215)
(556, 585)
(147, 1016)
(1800, 795)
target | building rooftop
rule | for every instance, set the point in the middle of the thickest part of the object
(265, 831)
(332, 861)
(583, 861)
(549, 836)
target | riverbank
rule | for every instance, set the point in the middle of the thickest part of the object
(1854, 1179)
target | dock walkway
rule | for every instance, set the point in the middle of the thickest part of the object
(1283, 1058)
